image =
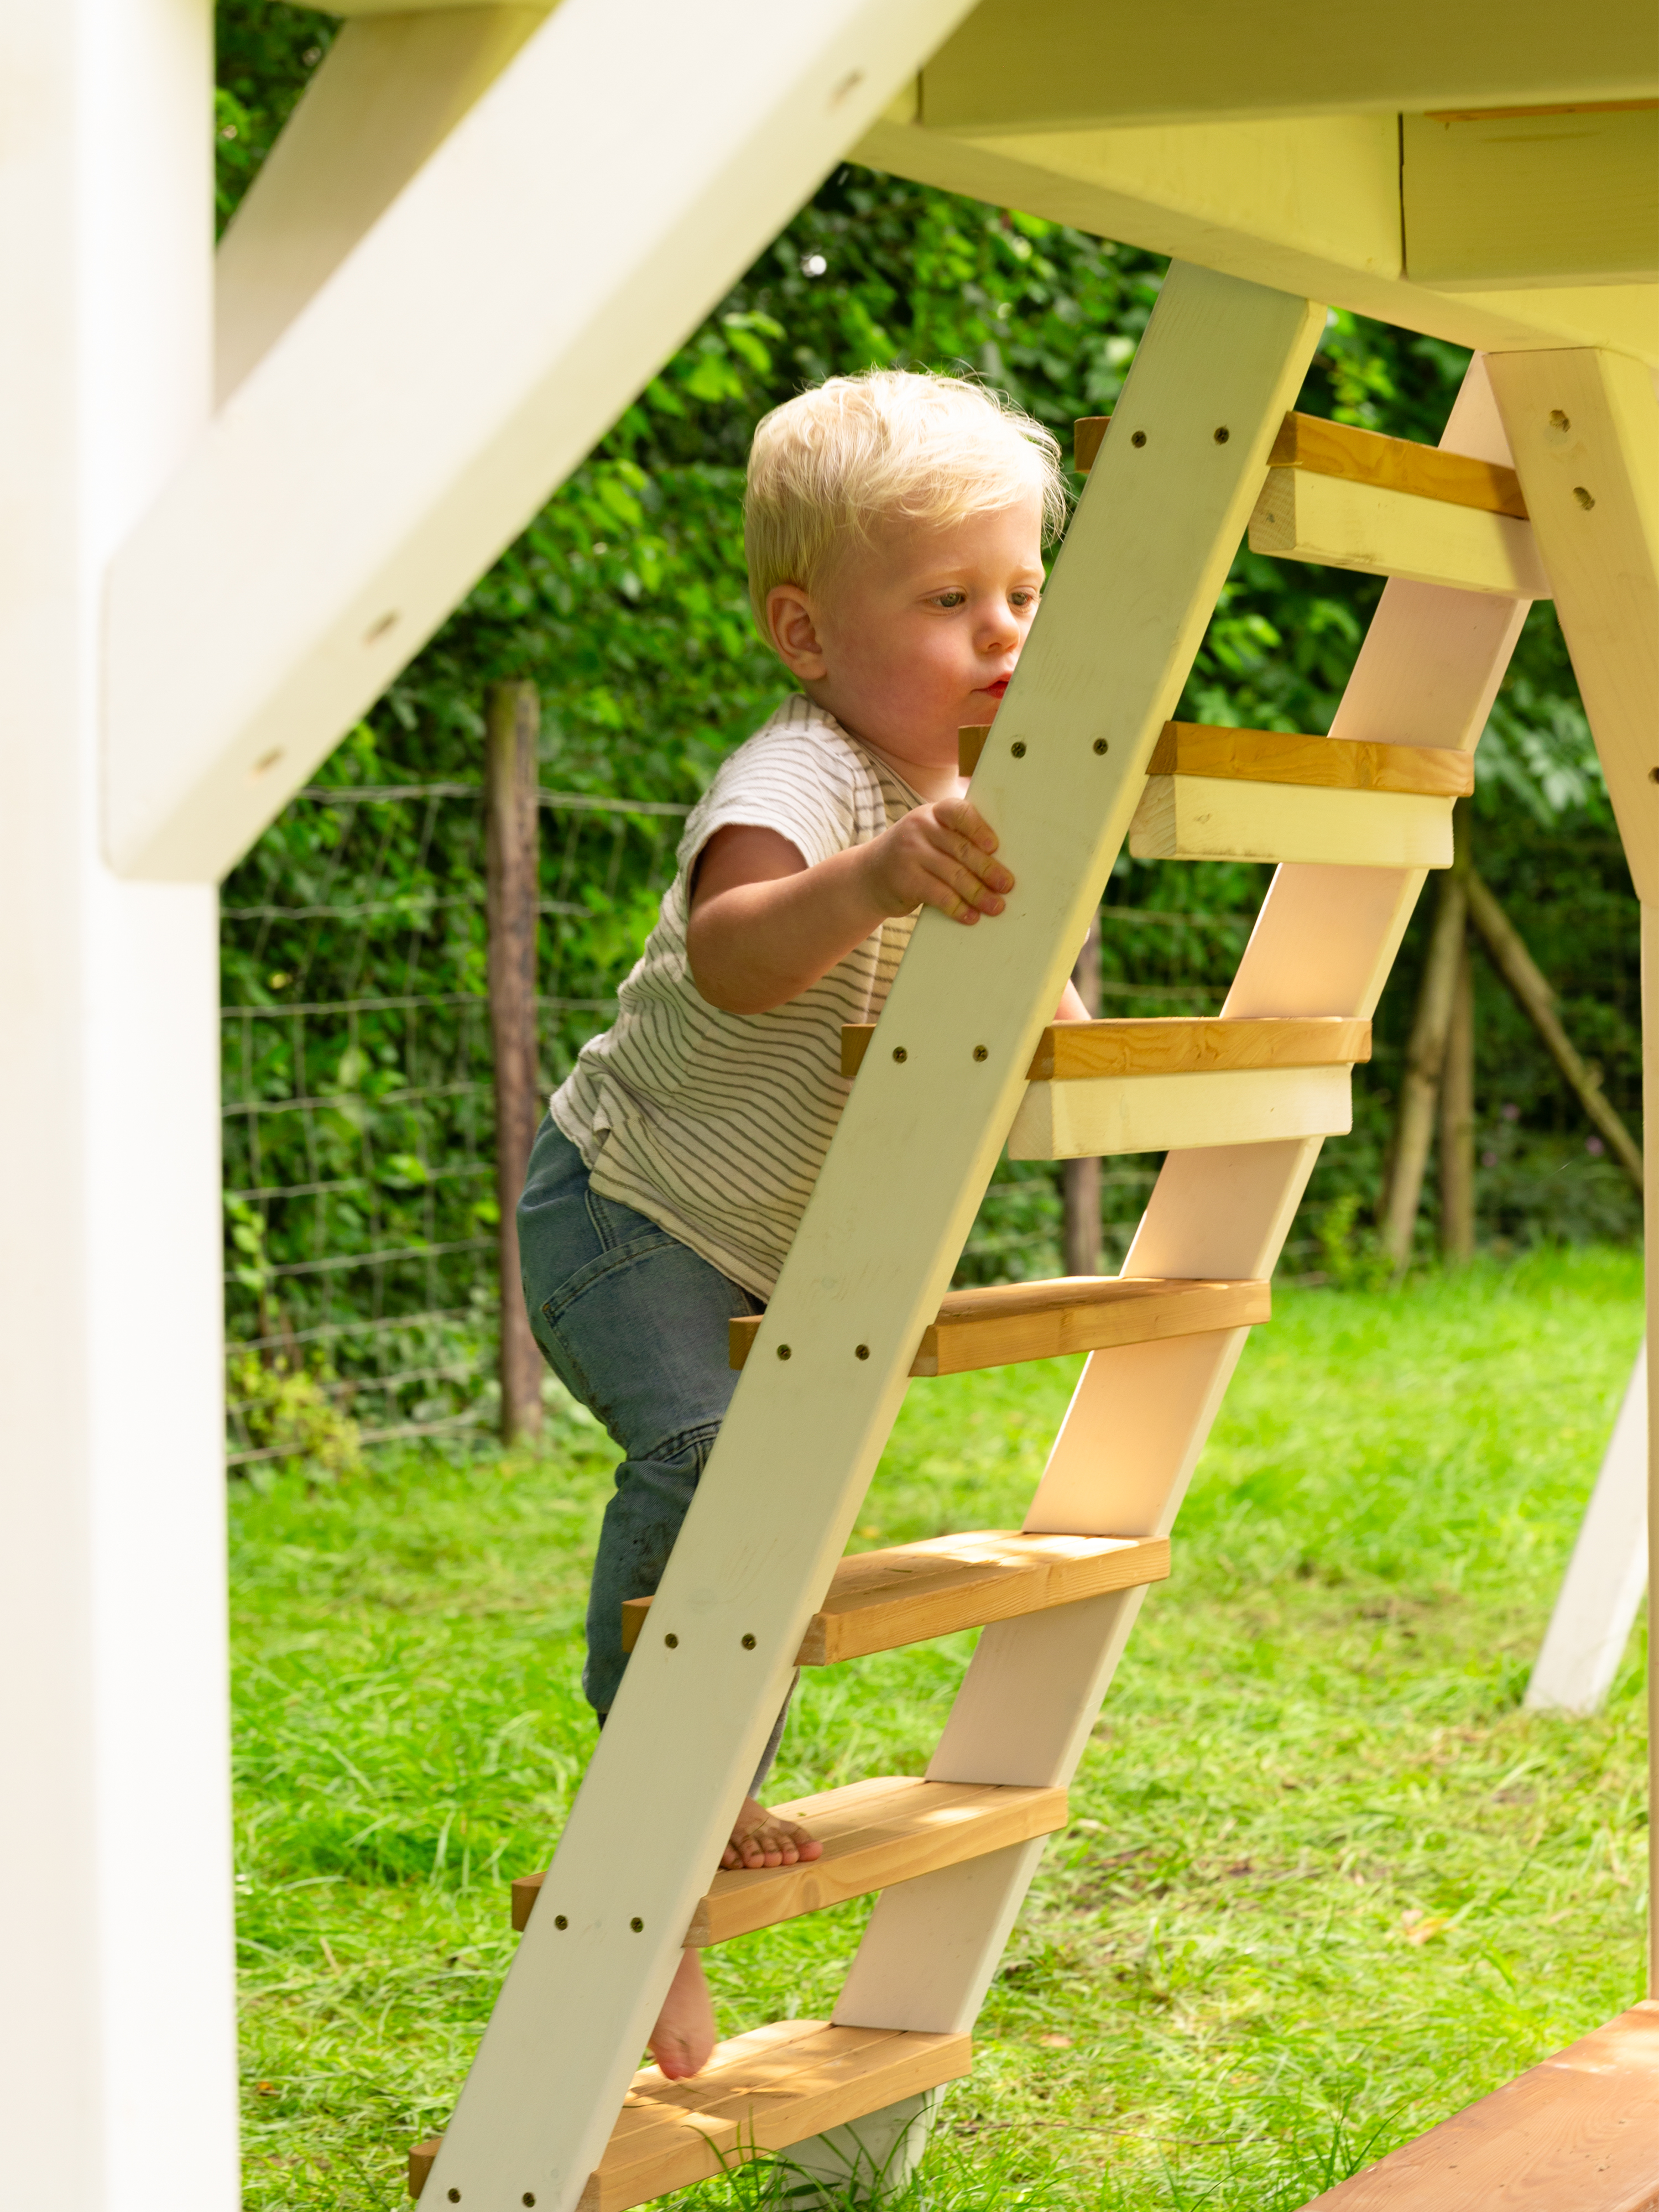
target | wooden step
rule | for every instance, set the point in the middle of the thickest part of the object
(874, 1833)
(1169, 1044)
(881, 1600)
(1579, 2133)
(1005, 1323)
(1364, 456)
(1274, 795)
(760, 2092)
(1347, 498)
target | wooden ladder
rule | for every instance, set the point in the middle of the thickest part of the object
(1202, 445)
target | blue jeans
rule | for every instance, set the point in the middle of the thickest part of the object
(633, 1323)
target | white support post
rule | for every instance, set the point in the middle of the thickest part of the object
(1585, 426)
(1601, 1590)
(1426, 675)
(117, 2032)
(1131, 594)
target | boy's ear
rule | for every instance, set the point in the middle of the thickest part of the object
(792, 625)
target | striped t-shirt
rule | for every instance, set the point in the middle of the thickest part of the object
(714, 1125)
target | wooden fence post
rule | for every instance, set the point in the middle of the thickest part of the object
(1080, 1179)
(1457, 1118)
(513, 887)
(1425, 1056)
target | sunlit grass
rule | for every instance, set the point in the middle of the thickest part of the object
(1325, 1883)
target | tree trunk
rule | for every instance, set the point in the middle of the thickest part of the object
(1425, 1058)
(513, 724)
(1457, 1119)
(1080, 1179)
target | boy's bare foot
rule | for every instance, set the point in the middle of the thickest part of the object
(760, 1838)
(684, 2033)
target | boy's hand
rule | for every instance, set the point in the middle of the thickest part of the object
(940, 855)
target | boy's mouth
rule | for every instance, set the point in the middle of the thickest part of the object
(996, 690)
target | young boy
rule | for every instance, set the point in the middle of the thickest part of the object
(894, 526)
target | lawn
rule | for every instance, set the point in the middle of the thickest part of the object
(1325, 1880)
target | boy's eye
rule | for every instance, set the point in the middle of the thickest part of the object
(1022, 599)
(950, 600)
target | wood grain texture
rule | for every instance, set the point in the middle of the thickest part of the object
(760, 2092)
(1004, 1323)
(910, 1593)
(890, 1828)
(1329, 763)
(1338, 523)
(1579, 2133)
(1172, 1045)
(1338, 449)
(970, 744)
(1201, 817)
(1113, 1114)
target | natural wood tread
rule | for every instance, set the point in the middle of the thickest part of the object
(874, 1833)
(1003, 1324)
(760, 2092)
(1579, 2133)
(1170, 1044)
(1326, 763)
(881, 1600)
(1338, 449)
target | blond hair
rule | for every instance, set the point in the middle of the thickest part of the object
(888, 443)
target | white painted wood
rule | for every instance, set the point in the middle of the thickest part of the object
(1383, 532)
(1495, 201)
(387, 92)
(464, 356)
(1106, 1114)
(1601, 1590)
(117, 2054)
(1650, 1209)
(1309, 203)
(1075, 65)
(1585, 430)
(1426, 674)
(1207, 817)
(1130, 595)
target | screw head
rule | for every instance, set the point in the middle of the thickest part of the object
(900, 1055)
(637, 1925)
(1559, 420)
(1222, 435)
(671, 1641)
(559, 1920)
(1585, 499)
(1018, 749)
(454, 2196)
(1138, 438)
(1102, 746)
(860, 1352)
(529, 2196)
(785, 1352)
(1653, 775)
(981, 1052)
(748, 1642)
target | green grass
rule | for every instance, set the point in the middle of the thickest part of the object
(1325, 1880)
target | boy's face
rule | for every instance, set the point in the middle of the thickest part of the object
(912, 636)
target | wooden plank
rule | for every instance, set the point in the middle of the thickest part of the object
(1579, 2133)
(1329, 763)
(1197, 817)
(1341, 449)
(1568, 196)
(1383, 532)
(1001, 1324)
(1181, 1113)
(888, 1829)
(760, 2092)
(910, 1593)
(1169, 1044)
(970, 744)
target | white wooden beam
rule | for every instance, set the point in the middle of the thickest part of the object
(1311, 203)
(1133, 588)
(388, 93)
(1601, 1591)
(1078, 65)
(1325, 940)
(465, 355)
(1494, 202)
(118, 2040)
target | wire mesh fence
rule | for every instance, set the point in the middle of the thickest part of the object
(359, 1127)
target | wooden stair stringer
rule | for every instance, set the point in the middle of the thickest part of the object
(1426, 674)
